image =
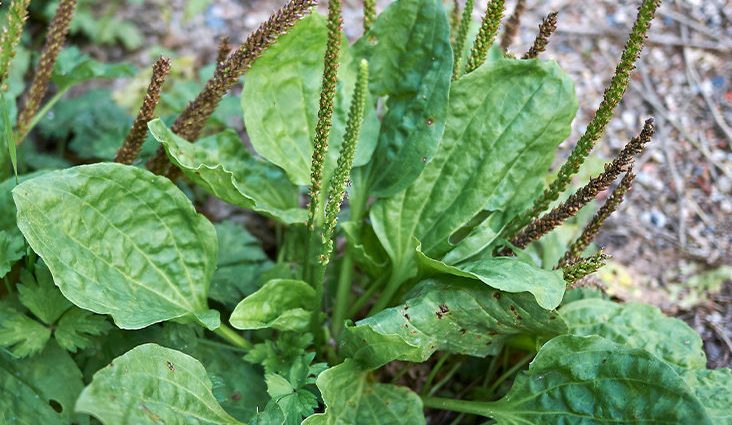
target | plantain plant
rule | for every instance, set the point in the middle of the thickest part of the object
(399, 191)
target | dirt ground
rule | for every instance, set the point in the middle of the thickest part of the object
(671, 240)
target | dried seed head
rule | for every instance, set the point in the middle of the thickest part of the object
(224, 50)
(54, 42)
(579, 269)
(130, 148)
(191, 121)
(621, 164)
(486, 34)
(546, 29)
(512, 25)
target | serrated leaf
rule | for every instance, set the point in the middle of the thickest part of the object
(593, 380)
(509, 274)
(119, 240)
(637, 326)
(410, 58)
(12, 249)
(280, 304)
(481, 161)
(39, 295)
(31, 388)
(73, 67)
(223, 167)
(351, 398)
(77, 326)
(451, 314)
(280, 101)
(240, 264)
(152, 384)
(20, 334)
(294, 403)
(713, 388)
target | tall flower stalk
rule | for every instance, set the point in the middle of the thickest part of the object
(486, 34)
(513, 24)
(17, 14)
(461, 37)
(546, 29)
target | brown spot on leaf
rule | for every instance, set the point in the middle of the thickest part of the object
(497, 295)
(236, 396)
(444, 309)
(171, 366)
(406, 316)
(462, 331)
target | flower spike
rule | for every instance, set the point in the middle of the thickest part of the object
(17, 14)
(512, 25)
(486, 34)
(580, 269)
(546, 29)
(462, 35)
(136, 137)
(369, 14)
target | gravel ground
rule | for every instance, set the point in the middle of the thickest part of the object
(671, 240)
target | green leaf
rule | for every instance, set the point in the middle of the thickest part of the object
(39, 295)
(12, 249)
(352, 398)
(410, 61)
(509, 274)
(77, 326)
(237, 385)
(223, 167)
(240, 264)
(713, 388)
(73, 67)
(451, 314)
(280, 101)
(294, 404)
(592, 380)
(280, 304)
(20, 334)
(481, 161)
(637, 326)
(152, 384)
(119, 240)
(30, 389)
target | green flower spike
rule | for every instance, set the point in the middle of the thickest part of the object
(486, 34)
(17, 14)
(460, 38)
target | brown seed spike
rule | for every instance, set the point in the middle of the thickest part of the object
(54, 41)
(587, 193)
(224, 50)
(546, 29)
(590, 231)
(136, 137)
(190, 122)
(512, 24)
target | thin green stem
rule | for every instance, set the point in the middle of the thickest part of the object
(461, 406)
(510, 372)
(445, 379)
(232, 337)
(433, 373)
(392, 286)
(363, 299)
(42, 113)
(222, 346)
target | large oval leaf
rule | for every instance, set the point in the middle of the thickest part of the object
(456, 315)
(119, 240)
(713, 388)
(222, 165)
(152, 384)
(637, 326)
(351, 398)
(508, 274)
(280, 101)
(409, 54)
(505, 122)
(592, 380)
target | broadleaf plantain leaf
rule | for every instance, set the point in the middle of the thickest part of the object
(152, 384)
(119, 240)
(500, 136)
(223, 167)
(280, 304)
(713, 388)
(637, 326)
(351, 398)
(451, 314)
(409, 54)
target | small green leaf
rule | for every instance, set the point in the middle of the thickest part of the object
(39, 295)
(240, 264)
(73, 67)
(292, 403)
(280, 102)
(450, 314)
(77, 326)
(352, 398)
(152, 384)
(12, 249)
(713, 388)
(509, 274)
(119, 240)
(410, 61)
(31, 388)
(481, 162)
(592, 380)
(637, 326)
(20, 334)
(223, 167)
(280, 304)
